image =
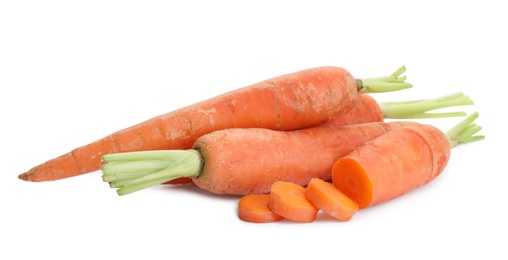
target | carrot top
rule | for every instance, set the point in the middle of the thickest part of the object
(464, 132)
(388, 83)
(133, 171)
(420, 108)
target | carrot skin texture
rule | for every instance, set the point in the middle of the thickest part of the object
(243, 161)
(292, 101)
(392, 165)
(326, 197)
(254, 208)
(288, 200)
(366, 110)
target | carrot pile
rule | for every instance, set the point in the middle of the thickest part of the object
(291, 146)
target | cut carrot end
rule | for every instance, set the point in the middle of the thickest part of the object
(254, 208)
(349, 177)
(288, 200)
(326, 197)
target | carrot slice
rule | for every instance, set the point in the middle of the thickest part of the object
(254, 208)
(288, 200)
(324, 196)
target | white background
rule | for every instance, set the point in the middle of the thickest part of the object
(72, 72)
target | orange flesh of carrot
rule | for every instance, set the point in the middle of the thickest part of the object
(292, 101)
(288, 200)
(392, 164)
(326, 197)
(254, 208)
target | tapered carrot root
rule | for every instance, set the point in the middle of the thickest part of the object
(254, 208)
(399, 161)
(326, 197)
(288, 199)
(292, 101)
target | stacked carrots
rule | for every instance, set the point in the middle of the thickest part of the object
(290, 146)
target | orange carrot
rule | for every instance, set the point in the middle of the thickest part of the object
(369, 110)
(288, 200)
(292, 101)
(326, 197)
(399, 161)
(243, 161)
(254, 208)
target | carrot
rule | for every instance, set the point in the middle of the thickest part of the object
(254, 208)
(288, 200)
(326, 197)
(292, 101)
(399, 161)
(369, 110)
(243, 161)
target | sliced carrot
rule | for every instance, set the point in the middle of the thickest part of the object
(254, 208)
(326, 197)
(288, 200)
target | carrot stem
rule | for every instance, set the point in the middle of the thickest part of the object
(388, 83)
(419, 108)
(464, 132)
(133, 167)
(134, 171)
(155, 155)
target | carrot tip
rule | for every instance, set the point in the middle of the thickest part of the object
(23, 176)
(29, 175)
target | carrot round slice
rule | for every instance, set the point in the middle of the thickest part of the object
(288, 200)
(324, 196)
(254, 208)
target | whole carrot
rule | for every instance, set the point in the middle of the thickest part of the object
(243, 161)
(292, 101)
(399, 161)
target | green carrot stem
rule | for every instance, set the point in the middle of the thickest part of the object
(132, 167)
(419, 108)
(127, 172)
(388, 83)
(464, 132)
(155, 155)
